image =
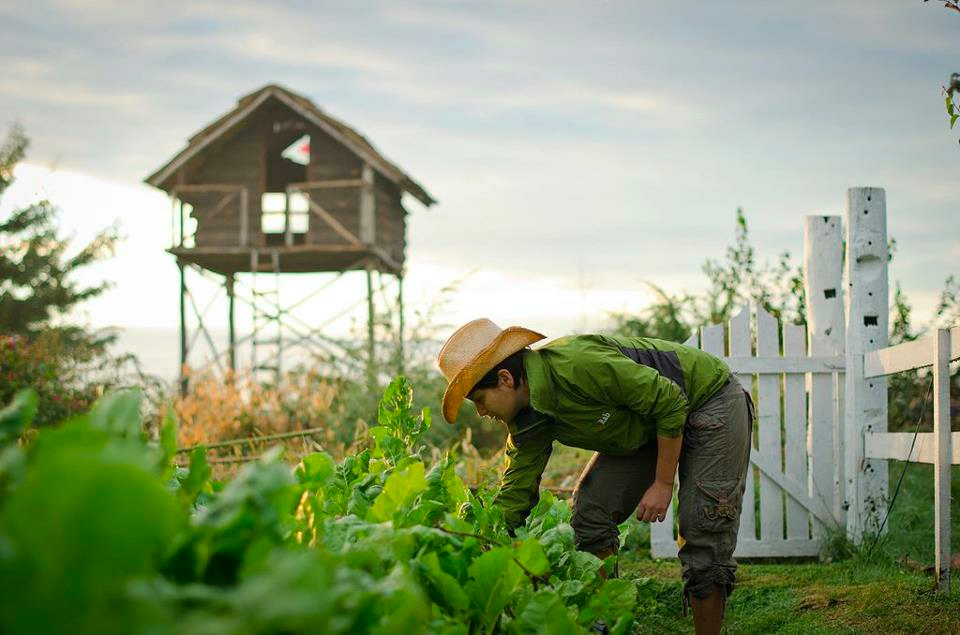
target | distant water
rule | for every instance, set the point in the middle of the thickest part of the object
(157, 349)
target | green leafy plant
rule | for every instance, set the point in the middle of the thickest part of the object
(381, 540)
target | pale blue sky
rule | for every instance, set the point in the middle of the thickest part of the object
(576, 149)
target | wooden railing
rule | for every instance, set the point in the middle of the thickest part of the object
(230, 194)
(940, 447)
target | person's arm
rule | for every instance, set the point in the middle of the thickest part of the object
(653, 506)
(527, 456)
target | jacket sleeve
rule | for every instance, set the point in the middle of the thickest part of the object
(526, 457)
(610, 377)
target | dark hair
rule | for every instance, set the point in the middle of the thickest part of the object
(513, 364)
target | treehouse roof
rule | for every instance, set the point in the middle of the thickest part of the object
(251, 103)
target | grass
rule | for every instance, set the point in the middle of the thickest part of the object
(870, 591)
(840, 597)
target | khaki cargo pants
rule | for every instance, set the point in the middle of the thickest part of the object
(713, 471)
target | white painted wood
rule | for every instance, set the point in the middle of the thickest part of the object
(896, 446)
(907, 356)
(711, 338)
(823, 285)
(766, 365)
(865, 480)
(693, 340)
(795, 430)
(740, 345)
(941, 459)
(751, 548)
(768, 429)
(792, 489)
(368, 230)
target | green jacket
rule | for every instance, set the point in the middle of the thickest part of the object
(603, 393)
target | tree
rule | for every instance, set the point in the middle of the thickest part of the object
(35, 270)
(65, 364)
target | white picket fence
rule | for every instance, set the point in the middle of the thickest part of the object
(820, 441)
(794, 455)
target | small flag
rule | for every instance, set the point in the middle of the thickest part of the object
(298, 151)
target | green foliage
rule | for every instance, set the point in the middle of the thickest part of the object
(35, 268)
(37, 291)
(378, 542)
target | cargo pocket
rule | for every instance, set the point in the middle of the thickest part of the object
(718, 504)
(705, 435)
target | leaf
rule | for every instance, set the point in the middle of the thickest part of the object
(196, 478)
(614, 601)
(544, 613)
(17, 416)
(314, 469)
(401, 486)
(532, 557)
(493, 577)
(443, 588)
(168, 435)
(118, 413)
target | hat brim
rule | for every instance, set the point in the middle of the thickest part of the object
(508, 341)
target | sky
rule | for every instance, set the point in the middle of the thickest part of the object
(578, 151)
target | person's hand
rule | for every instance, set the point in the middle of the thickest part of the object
(653, 505)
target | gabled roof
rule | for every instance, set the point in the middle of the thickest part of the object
(247, 105)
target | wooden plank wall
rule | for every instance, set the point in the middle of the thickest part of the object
(234, 160)
(391, 218)
(331, 160)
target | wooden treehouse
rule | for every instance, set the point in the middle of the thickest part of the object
(278, 185)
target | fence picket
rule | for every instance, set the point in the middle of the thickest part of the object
(795, 432)
(739, 334)
(712, 339)
(768, 429)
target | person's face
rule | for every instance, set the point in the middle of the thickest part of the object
(502, 402)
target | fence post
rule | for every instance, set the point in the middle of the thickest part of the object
(865, 486)
(823, 286)
(942, 457)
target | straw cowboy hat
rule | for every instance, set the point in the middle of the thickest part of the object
(474, 350)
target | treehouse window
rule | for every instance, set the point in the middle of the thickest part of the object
(274, 207)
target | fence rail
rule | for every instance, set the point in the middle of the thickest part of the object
(940, 447)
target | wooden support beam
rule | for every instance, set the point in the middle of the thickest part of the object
(208, 188)
(371, 350)
(368, 218)
(400, 327)
(244, 217)
(770, 365)
(942, 441)
(231, 332)
(184, 385)
(908, 356)
(865, 481)
(329, 184)
(895, 446)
